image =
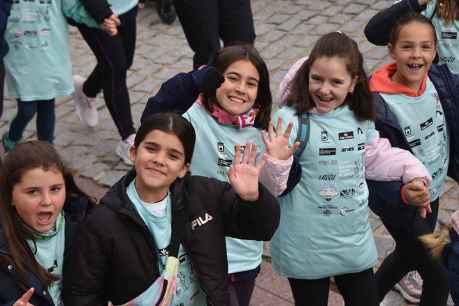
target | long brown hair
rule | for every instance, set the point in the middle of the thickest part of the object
(339, 45)
(437, 241)
(227, 56)
(24, 157)
(448, 10)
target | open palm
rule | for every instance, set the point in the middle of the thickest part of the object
(276, 141)
(244, 172)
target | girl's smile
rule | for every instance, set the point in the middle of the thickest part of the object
(329, 83)
(413, 53)
(238, 93)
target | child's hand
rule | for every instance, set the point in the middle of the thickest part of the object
(110, 25)
(416, 193)
(244, 173)
(455, 221)
(276, 141)
(25, 298)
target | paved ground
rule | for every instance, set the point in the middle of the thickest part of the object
(286, 31)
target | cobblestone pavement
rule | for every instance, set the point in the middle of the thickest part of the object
(286, 31)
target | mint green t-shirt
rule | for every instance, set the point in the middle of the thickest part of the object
(49, 254)
(324, 228)
(212, 157)
(447, 35)
(423, 122)
(122, 6)
(158, 218)
(38, 65)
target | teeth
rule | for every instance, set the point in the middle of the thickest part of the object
(235, 99)
(45, 216)
(415, 66)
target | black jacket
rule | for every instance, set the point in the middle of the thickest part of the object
(114, 259)
(380, 25)
(75, 210)
(447, 86)
(5, 6)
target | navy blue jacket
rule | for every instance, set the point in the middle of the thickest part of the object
(5, 7)
(75, 210)
(447, 86)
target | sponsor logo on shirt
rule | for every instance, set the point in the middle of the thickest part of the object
(448, 35)
(324, 136)
(349, 149)
(328, 162)
(328, 193)
(437, 173)
(346, 135)
(430, 135)
(359, 131)
(414, 143)
(327, 151)
(360, 146)
(221, 147)
(201, 220)
(407, 131)
(440, 127)
(426, 124)
(224, 162)
(347, 193)
(327, 177)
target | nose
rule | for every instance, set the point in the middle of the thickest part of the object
(46, 199)
(241, 87)
(160, 158)
(416, 52)
(324, 88)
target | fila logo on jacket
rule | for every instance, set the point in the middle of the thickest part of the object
(201, 220)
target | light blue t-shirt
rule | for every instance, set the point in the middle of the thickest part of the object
(158, 222)
(122, 6)
(447, 35)
(423, 123)
(49, 253)
(324, 228)
(38, 63)
(212, 157)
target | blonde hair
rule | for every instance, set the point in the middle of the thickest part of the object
(437, 241)
(448, 10)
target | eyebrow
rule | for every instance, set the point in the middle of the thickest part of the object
(151, 143)
(239, 75)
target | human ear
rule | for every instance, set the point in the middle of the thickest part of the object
(353, 83)
(390, 48)
(184, 170)
(132, 153)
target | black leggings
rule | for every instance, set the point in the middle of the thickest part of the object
(357, 289)
(205, 22)
(114, 55)
(405, 227)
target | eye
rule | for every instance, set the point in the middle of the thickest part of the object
(232, 78)
(33, 191)
(174, 157)
(315, 78)
(252, 84)
(151, 149)
(56, 189)
(337, 82)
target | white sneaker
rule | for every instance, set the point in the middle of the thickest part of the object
(122, 149)
(85, 106)
(410, 287)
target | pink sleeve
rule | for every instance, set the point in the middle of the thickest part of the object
(285, 83)
(385, 163)
(274, 174)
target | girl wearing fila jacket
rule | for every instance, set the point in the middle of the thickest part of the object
(234, 108)
(417, 109)
(158, 236)
(444, 15)
(324, 229)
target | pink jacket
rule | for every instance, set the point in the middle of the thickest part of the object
(382, 161)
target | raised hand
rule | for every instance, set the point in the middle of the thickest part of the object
(244, 172)
(417, 194)
(25, 298)
(276, 141)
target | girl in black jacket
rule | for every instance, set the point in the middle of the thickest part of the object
(159, 228)
(40, 208)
